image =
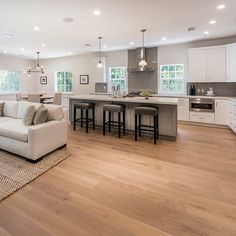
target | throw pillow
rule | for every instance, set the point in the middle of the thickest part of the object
(41, 115)
(1, 108)
(29, 115)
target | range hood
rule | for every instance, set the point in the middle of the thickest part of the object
(141, 55)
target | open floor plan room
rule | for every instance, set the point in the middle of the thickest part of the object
(118, 118)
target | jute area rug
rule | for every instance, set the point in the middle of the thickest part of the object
(16, 172)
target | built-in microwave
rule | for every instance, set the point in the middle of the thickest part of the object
(202, 105)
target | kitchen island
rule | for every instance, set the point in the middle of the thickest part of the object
(167, 111)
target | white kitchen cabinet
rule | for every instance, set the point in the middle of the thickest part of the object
(202, 117)
(197, 65)
(231, 63)
(207, 64)
(183, 109)
(216, 64)
(221, 111)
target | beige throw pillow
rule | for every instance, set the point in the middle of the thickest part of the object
(1, 108)
(41, 115)
(29, 115)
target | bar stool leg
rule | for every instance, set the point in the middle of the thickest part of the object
(123, 121)
(104, 121)
(109, 121)
(81, 118)
(93, 118)
(86, 120)
(155, 129)
(157, 120)
(74, 118)
(136, 122)
(140, 124)
(119, 124)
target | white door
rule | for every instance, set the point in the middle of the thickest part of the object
(231, 63)
(221, 112)
(197, 65)
(216, 64)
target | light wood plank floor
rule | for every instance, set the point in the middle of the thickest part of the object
(118, 187)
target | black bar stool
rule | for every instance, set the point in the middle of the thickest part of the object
(84, 106)
(111, 108)
(150, 111)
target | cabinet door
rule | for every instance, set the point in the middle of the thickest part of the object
(197, 65)
(216, 64)
(221, 112)
(183, 109)
(231, 63)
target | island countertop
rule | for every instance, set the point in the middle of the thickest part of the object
(167, 111)
(151, 100)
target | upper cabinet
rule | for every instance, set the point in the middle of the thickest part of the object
(207, 64)
(231, 63)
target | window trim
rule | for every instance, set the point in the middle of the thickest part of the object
(160, 79)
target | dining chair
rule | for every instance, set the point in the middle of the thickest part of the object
(58, 99)
(34, 97)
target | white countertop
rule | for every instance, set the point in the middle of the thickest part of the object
(189, 96)
(151, 100)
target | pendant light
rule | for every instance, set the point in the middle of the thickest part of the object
(37, 68)
(99, 65)
(142, 62)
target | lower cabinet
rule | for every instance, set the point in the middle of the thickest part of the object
(221, 111)
(203, 117)
(232, 115)
(183, 109)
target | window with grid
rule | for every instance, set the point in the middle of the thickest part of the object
(63, 81)
(9, 81)
(172, 79)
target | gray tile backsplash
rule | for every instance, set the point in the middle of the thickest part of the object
(220, 89)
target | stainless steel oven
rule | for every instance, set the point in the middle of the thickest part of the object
(202, 104)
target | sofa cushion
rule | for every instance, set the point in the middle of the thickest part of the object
(14, 129)
(10, 109)
(55, 112)
(29, 115)
(5, 118)
(1, 108)
(41, 115)
(23, 105)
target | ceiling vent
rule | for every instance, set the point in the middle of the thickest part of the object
(190, 29)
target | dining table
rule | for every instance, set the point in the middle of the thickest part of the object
(42, 97)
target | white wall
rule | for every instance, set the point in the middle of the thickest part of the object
(78, 65)
(19, 64)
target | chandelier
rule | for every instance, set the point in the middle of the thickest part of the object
(37, 68)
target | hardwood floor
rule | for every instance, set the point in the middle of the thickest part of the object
(118, 187)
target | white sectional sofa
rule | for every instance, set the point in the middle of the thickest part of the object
(34, 141)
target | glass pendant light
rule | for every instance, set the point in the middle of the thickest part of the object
(142, 62)
(99, 65)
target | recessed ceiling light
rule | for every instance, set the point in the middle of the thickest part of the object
(43, 45)
(5, 52)
(36, 28)
(131, 43)
(206, 32)
(104, 46)
(68, 20)
(96, 12)
(69, 53)
(221, 6)
(212, 22)
(22, 49)
(7, 36)
(163, 38)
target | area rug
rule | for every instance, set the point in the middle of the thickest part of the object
(16, 172)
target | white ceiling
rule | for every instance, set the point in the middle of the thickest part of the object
(119, 23)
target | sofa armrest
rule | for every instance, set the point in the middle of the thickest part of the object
(46, 137)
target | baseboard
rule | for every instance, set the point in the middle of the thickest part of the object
(203, 124)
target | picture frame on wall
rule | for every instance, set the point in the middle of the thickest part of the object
(43, 79)
(84, 79)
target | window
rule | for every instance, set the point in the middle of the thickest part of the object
(63, 82)
(172, 79)
(9, 81)
(118, 77)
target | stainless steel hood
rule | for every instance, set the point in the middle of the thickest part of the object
(141, 55)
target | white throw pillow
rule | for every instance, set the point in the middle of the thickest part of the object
(10, 109)
(55, 112)
(23, 105)
(29, 115)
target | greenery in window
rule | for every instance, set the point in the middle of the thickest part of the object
(172, 79)
(118, 77)
(9, 81)
(63, 81)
